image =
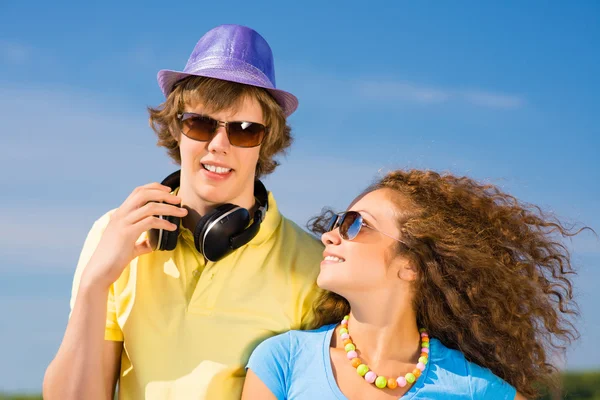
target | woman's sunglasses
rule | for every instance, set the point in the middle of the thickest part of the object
(350, 224)
(240, 134)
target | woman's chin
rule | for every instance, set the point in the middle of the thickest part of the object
(328, 281)
(323, 280)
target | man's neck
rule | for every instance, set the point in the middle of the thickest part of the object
(203, 208)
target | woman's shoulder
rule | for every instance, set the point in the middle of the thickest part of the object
(451, 364)
(291, 341)
(308, 339)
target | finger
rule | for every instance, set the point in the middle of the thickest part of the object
(153, 209)
(148, 186)
(141, 197)
(153, 222)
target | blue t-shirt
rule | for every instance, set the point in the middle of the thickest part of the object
(297, 365)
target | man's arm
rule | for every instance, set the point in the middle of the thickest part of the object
(86, 366)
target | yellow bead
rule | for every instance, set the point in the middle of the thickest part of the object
(362, 369)
(381, 382)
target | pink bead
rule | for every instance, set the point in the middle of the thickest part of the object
(345, 336)
(425, 350)
(401, 381)
(344, 322)
(424, 334)
(352, 354)
(370, 377)
(421, 366)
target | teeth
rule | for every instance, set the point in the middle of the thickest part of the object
(217, 170)
(334, 258)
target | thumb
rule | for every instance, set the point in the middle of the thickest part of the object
(142, 247)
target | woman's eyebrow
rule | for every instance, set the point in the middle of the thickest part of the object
(371, 216)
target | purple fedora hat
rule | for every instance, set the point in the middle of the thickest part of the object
(232, 53)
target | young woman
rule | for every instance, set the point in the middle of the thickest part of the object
(437, 287)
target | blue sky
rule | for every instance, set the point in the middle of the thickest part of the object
(506, 93)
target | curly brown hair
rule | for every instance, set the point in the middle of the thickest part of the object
(218, 95)
(492, 275)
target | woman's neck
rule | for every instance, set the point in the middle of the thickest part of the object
(381, 335)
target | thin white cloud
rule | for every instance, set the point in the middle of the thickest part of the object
(336, 91)
(493, 100)
(402, 91)
(420, 94)
(48, 238)
(14, 53)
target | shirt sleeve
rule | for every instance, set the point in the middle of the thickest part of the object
(308, 309)
(270, 362)
(486, 385)
(112, 330)
(306, 281)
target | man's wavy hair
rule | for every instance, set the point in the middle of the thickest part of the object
(218, 95)
(492, 275)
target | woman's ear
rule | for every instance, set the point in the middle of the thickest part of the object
(406, 271)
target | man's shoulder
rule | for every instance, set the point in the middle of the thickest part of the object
(299, 244)
(99, 226)
(293, 230)
(101, 222)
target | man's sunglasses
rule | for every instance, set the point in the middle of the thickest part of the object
(350, 224)
(240, 134)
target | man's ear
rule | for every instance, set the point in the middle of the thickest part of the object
(175, 133)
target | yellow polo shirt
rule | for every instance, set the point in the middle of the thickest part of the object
(188, 326)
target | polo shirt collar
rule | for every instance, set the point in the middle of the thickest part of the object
(267, 227)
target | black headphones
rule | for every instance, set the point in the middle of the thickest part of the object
(219, 232)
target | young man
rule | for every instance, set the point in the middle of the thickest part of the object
(229, 271)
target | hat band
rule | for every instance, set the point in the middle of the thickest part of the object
(231, 65)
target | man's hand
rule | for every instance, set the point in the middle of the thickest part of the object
(120, 242)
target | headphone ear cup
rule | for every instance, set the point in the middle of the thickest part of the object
(205, 222)
(213, 232)
(169, 240)
(161, 239)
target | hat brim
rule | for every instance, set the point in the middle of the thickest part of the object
(168, 78)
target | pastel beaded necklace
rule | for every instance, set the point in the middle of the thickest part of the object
(381, 381)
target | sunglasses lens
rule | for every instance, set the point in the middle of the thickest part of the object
(246, 134)
(198, 127)
(331, 224)
(350, 225)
